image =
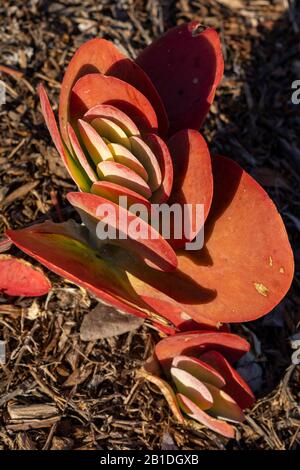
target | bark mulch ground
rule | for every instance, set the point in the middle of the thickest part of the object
(57, 391)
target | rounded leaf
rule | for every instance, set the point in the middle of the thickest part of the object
(247, 259)
(18, 277)
(186, 66)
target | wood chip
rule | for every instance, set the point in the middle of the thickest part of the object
(20, 192)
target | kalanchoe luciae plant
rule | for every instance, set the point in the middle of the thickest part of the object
(193, 371)
(131, 128)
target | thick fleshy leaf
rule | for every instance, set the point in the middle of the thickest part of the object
(115, 115)
(149, 161)
(100, 55)
(247, 254)
(94, 89)
(168, 393)
(125, 157)
(169, 308)
(199, 369)
(161, 152)
(18, 277)
(173, 294)
(95, 145)
(86, 165)
(194, 412)
(123, 175)
(192, 388)
(235, 386)
(66, 255)
(195, 343)
(193, 180)
(113, 192)
(111, 131)
(224, 406)
(78, 266)
(186, 66)
(153, 247)
(74, 169)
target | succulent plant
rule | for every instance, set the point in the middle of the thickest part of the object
(193, 371)
(130, 128)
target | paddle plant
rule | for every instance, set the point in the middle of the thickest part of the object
(193, 371)
(130, 128)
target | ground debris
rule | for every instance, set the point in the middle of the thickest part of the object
(32, 416)
(104, 321)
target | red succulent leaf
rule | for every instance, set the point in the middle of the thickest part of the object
(53, 246)
(100, 55)
(196, 343)
(123, 175)
(193, 180)
(246, 255)
(113, 192)
(174, 294)
(194, 412)
(148, 160)
(95, 89)
(18, 277)
(186, 66)
(74, 169)
(78, 151)
(193, 388)
(161, 151)
(114, 114)
(64, 249)
(199, 369)
(224, 407)
(155, 249)
(235, 386)
(112, 273)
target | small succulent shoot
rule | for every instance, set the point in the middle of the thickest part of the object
(193, 371)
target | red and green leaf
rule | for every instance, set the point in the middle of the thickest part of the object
(154, 248)
(74, 168)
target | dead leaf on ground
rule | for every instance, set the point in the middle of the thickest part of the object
(104, 322)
